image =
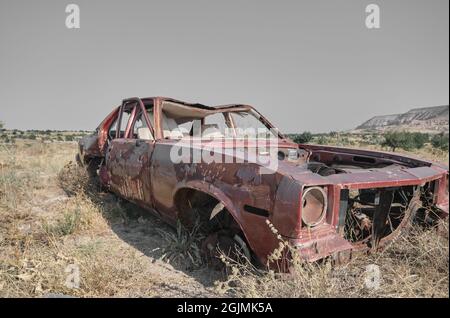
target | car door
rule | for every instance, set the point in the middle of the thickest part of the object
(128, 157)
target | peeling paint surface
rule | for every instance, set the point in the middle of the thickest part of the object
(141, 171)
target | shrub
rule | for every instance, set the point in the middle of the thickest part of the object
(419, 139)
(303, 138)
(321, 140)
(333, 133)
(66, 225)
(74, 179)
(182, 246)
(440, 141)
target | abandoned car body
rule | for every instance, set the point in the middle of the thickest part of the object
(326, 201)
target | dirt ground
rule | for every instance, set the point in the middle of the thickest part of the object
(119, 249)
(61, 235)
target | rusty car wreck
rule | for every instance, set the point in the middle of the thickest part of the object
(326, 201)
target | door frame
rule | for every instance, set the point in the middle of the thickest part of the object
(133, 116)
(138, 108)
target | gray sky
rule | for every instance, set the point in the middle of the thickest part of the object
(306, 65)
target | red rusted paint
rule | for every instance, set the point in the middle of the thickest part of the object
(142, 172)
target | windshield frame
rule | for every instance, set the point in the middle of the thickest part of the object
(182, 113)
(229, 129)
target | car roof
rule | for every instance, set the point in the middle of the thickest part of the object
(198, 105)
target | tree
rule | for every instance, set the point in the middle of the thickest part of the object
(303, 138)
(419, 140)
(405, 140)
(1, 125)
(394, 140)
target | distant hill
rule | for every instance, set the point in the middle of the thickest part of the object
(425, 119)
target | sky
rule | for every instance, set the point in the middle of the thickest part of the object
(306, 65)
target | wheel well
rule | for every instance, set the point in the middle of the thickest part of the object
(195, 207)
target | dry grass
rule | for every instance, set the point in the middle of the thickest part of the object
(182, 246)
(374, 141)
(53, 217)
(416, 265)
(428, 152)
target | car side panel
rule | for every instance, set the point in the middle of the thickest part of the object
(128, 168)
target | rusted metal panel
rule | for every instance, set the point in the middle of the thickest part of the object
(142, 172)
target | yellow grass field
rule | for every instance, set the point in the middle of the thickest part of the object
(60, 234)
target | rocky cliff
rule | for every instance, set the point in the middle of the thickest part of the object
(425, 119)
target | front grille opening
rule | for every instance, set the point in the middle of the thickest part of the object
(428, 214)
(373, 214)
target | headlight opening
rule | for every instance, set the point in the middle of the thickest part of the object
(314, 206)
